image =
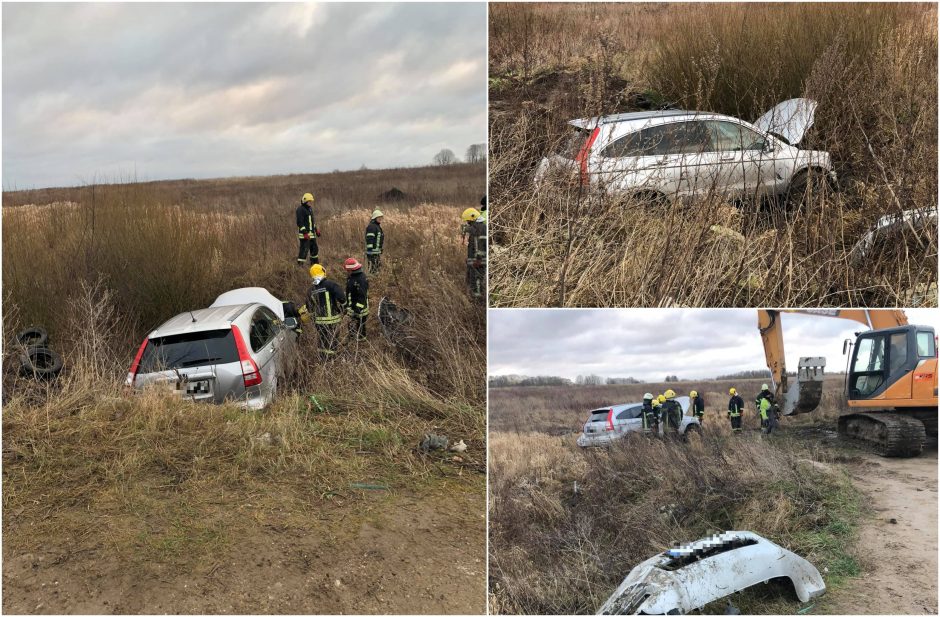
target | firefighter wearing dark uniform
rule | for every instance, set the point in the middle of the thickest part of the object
(325, 301)
(735, 409)
(697, 404)
(764, 393)
(307, 231)
(476, 253)
(357, 299)
(375, 241)
(648, 413)
(672, 413)
(657, 408)
(767, 408)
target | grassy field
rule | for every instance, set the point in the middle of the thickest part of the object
(871, 67)
(142, 501)
(557, 551)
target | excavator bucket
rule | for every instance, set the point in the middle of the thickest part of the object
(804, 395)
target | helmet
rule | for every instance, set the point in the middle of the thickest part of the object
(764, 387)
(661, 399)
(732, 391)
(693, 393)
(351, 265)
(470, 214)
(669, 394)
(376, 214)
(317, 270)
(307, 197)
(656, 402)
(647, 397)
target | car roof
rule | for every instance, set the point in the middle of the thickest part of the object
(642, 116)
(682, 400)
(201, 320)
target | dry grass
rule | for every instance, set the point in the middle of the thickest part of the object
(556, 552)
(150, 479)
(873, 72)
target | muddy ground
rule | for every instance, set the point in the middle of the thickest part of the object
(420, 552)
(897, 545)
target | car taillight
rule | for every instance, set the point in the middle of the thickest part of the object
(250, 372)
(610, 419)
(135, 366)
(583, 155)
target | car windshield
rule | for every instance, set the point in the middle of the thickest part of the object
(190, 349)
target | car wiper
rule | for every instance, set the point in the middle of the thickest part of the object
(200, 361)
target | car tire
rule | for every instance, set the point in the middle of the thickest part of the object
(811, 181)
(33, 337)
(692, 429)
(40, 363)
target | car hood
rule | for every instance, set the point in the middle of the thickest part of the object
(789, 119)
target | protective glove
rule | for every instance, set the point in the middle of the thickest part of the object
(318, 232)
(306, 236)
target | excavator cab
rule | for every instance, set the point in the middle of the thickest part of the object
(883, 362)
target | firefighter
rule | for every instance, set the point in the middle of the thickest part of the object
(476, 253)
(764, 393)
(697, 405)
(648, 421)
(657, 407)
(735, 408)
(375, 241)
(307, 231)
(325, 301)
(357, 299)
(672, 413)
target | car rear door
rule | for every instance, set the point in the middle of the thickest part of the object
(663, 158)
(262, 339)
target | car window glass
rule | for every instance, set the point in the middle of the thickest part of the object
(732, 137)
(262, 328)
(189, 350)
(630, 413)
(665, 139)
(925, 345)
(898, 351)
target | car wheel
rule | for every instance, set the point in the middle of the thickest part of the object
(40, 363)
(805, 187)
(33, 337)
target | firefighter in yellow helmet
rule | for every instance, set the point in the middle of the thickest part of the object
(735, 409)
(671, 412)
(307, 231)
(475, 227)
(657, 406)
(697, 405)
(325, 301)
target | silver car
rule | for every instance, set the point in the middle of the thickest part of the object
(232, 351)
(676, 154)
(609, 424)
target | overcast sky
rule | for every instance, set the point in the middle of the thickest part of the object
(650, 344)
(215, 90)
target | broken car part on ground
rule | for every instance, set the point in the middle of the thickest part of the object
(690, 576)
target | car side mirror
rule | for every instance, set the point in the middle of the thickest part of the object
(290, 323)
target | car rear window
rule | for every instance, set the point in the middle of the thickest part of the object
(599, 415)
(190, 349)
(576, 141)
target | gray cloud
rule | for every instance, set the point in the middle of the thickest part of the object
(199, 90)
(652, 343)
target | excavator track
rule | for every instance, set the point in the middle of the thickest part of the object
(886, 434)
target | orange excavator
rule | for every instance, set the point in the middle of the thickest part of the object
(890, 379)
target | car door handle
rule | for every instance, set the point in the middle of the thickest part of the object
(728, 157)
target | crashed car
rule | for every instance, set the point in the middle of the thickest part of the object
(608, 424)
(678, 154)
(890, 230)
(233, 350)
(688, 577)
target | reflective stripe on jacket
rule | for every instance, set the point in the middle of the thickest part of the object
(305, 222)
(326, 300)
(735, 406)
(375, 238)
(357, 294)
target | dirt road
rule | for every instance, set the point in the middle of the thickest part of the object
(421, 553)
(899, 558)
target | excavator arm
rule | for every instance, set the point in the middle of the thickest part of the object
(804, 395)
